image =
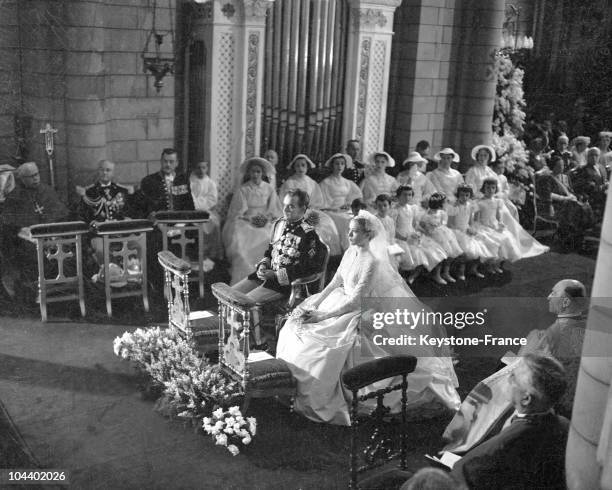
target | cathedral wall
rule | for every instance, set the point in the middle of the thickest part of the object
(83, 73)
(10, 90)
(420, 68)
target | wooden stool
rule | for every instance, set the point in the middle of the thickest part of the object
(178, 224)
(123, 240)
(56, 241)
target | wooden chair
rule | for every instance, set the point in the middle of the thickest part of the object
(59, 242)
(381, 447)
(201, 327)
(122, 241)
(184, 228)
(259, 374)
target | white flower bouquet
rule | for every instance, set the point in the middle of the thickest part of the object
(230, 429)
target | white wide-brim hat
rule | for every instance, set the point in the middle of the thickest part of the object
(447, 151)
(297, 157)
(581, 139)
(383, 153)
(347, 159)
(262, 162)
(477, 148)
(414, 157)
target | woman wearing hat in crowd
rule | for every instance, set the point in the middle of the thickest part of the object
(446, 179)
(484, 155)
(339, 193)
(298, 179)
(412, 176)
(248, 225)
(378, 182)
(580, 144)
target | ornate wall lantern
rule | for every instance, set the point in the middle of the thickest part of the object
(153, 61)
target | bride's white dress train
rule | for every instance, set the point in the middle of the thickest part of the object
(317, 353)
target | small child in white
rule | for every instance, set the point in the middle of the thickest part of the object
(420, 251)
(475, 246)
(433, 224)
(491, 226)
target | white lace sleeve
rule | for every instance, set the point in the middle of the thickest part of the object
(352, 300)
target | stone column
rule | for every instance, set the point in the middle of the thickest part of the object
(367, 72)
(233, 34)
(472, 76)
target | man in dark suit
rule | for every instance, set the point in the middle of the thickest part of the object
(295, 251)
(166, 190)
(529, 450)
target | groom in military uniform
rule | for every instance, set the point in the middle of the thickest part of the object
(295, 251)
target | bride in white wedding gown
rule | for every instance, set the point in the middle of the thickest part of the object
(323, 337)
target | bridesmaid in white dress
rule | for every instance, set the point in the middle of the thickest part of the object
(475, 177)
(324, 225)
(378, 182)
(323, 336)
(338, 194)
(446, 179)
(248, 226)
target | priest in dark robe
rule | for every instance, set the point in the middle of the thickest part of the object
(31, 203)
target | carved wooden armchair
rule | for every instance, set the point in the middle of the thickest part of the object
(185, 229)
(260, 374)
(59, 242)
(200, 326)
(382, 447)
(125, 259)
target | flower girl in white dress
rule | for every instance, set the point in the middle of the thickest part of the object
(491, 226)
(434, 224)
(420, 251)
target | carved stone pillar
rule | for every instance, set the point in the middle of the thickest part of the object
(367, 72)
(233, 34)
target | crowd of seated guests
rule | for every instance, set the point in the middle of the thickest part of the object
(571, 179)
(441, 230)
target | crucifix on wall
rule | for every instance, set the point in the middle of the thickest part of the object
(49, 131)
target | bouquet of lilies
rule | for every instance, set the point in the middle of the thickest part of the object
(229, 428)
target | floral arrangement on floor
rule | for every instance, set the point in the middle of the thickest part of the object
(191, 387)
(227, 427)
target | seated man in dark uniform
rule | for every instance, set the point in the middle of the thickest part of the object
(529, 449)
(104, 201)
(30, 203)
(166, 190)
(295, 251)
